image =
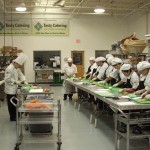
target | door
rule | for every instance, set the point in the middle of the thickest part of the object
(78, 60)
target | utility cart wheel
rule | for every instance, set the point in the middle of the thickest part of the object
(59, 145)
(16, 148)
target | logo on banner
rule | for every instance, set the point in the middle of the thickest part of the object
(38, 26)
(1, 26)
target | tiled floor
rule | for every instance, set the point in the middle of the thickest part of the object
(77, 132)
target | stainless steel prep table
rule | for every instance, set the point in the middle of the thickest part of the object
(118, 106)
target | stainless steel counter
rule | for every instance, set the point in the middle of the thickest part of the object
(121, 103)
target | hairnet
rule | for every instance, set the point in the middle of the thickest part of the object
(92, 58)
(143, 65)
(109, 55)
(116, 61)
(109, 60)
(100, 59)
(69, 60)
(126, 67)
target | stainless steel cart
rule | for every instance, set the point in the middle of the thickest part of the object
(53, 117)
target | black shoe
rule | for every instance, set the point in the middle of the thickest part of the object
(90, 100)
(70, 96)
(12, 119)
(122, 130)
(65, 97)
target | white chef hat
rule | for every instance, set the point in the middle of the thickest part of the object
(125, 67)
(143, 65)
(115, 61)
(69, 60)
(109, 60)
(100, 59)
(147, 37)
(21, 59)
(109, 55)
(92, 58)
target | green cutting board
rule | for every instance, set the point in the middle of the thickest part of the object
(140, 102)
(105, 94)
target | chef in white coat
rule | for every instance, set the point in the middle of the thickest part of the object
(69, 70)
(91, 68)
(144, 71)
(14, 77)
(116, 73)
(101, 62)
(131, 78)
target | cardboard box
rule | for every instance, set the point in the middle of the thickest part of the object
(13, 54)
(44, 76)
(14, 49)
(7, 48)
(135, 60)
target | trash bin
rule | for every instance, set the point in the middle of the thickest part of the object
(58, 78)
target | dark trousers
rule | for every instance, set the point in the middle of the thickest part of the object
(11, 107)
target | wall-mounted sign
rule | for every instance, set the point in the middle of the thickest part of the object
(35, 27)
(16, 27)
(50, 27)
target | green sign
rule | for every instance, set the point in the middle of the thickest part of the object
(50, 27)
(16, 27)
(35, 27)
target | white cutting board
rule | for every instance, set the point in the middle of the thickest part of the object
(36, 91)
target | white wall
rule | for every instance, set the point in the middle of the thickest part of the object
(140, 25)
(95, 33)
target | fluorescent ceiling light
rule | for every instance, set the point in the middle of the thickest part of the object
(21, 7)
(99, 10)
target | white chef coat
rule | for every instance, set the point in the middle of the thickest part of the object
(11, 76)
(115, 73)
(70, 72)
(96, 73)
(134, 79)
(109, 70)
(94, 66)
(102, 71)
(147, 81)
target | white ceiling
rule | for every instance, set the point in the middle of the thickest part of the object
(115, 8)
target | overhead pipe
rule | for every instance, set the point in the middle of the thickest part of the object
(57, 2)
(2, 5)
(135, 10)
(76, 8)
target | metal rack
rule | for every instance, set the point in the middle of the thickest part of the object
(53, 116)
(131, 118)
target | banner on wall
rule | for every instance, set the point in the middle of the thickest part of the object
(16, 27)
(35, 27)
(50, 27)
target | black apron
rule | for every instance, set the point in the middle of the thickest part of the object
(88, 71)
(127, 84)
(141, 85)
(119, 79)
(112, 81)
